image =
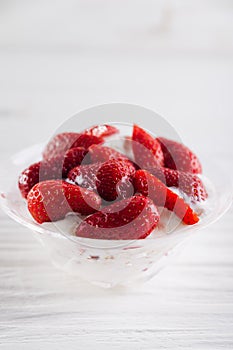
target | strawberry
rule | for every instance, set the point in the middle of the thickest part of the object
(86, 140)
(179, 157)
(52, 200)
(54, 168)
(58, 167)
(147, 150)
(61, 143)
(102, 130)
(73, 157)
(148, 185)
(132, 218)
(28, 178)
(85, 175)
(103, 154)
(114, 179)
(189, 183)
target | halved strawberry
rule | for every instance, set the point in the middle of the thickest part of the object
(148, 185)
(179, 157)
(54, 168)
(73, 157)
(85, 175)
(114, 179)
(102, 130)
(189, 183)
(87, 141)
(61, 143)
(132, 218)
(52, 200)
(103, 154)
(58, 167)
(147, 150)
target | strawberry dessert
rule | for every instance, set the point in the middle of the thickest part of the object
(118, 194)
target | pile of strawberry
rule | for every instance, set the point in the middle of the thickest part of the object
(119, 196)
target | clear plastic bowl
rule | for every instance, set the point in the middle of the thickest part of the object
(106, 263)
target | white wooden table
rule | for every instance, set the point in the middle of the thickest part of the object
(57, 59)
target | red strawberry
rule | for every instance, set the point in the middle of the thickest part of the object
(102, 130)
(190, 184)
(73, 157)
(52, 200)
(179, 157)
(58, 167)
(85, 175)
(54, 168)
(86, 141)
(103, 154)
(60, 143)
(147, 150)
(28, 178)
(114, 179)
(149, 185)
(132, 218)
